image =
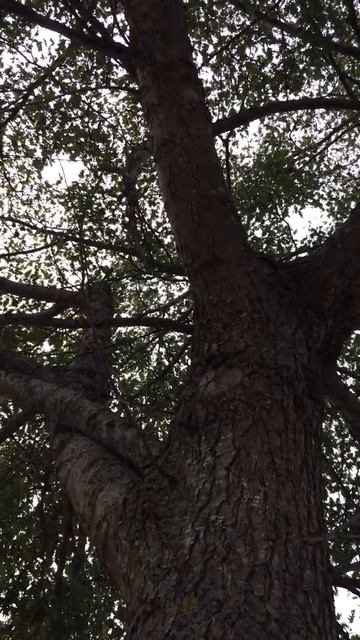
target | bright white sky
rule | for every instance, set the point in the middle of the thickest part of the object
(345, 603)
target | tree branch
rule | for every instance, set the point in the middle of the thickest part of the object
(25, 252)
(107, 46)
(30, 90)
(98, 455)
(80, 415)
(314, 39)
(14, 423)
(201, 212)
(106, 510)
(351, 584)
(40, 292)
(115, 247)
(16, 362)
(299, 32)
(245, 116)
(345, 401)
(353, 19)
(340, 569)
(91, 368)
(329, 279)
(43, 320)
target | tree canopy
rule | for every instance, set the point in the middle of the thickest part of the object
(81, 204)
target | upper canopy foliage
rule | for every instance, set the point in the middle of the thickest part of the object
(80, 203)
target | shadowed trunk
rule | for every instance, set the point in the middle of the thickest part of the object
(216, 533)
(237, 548)
(221, 535)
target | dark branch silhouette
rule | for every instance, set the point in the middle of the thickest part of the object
(245, 116)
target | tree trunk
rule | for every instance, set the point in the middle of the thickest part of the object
(221, 536)
(236, 549)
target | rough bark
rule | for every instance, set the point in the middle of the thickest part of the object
(202, 214)
(328, 282)
(234, 546)
(230, 544)
(238, 548)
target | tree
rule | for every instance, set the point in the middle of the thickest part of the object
(168, 346)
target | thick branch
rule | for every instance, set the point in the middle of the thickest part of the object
(16, 362)
(101, 492)
(201, 212)
(91, 368)
(38, 319)
(76, 412)
(245, 116)
(39, 292)
(42, 320)
(329, 279)
(105, 45)
(98, 456)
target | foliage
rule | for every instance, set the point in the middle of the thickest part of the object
(80, 203)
